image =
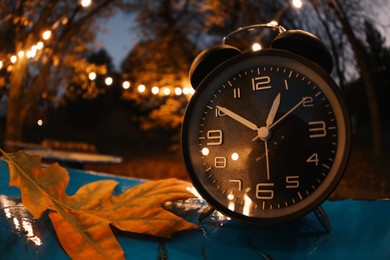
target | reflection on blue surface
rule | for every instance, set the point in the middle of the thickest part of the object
(360, 230)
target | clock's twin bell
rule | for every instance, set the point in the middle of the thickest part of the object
(299, 42)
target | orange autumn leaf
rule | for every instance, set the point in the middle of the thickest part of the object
(82, 221)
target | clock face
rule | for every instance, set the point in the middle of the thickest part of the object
(266, 137)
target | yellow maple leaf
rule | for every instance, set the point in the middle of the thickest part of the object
(82, 221)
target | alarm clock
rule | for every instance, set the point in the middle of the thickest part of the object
(266, 136)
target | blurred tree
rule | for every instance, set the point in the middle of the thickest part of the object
(161, 59)
(171, 32)
(377, 51)
(350, 20)
(379, 62)
(85, 104)
(46, 47)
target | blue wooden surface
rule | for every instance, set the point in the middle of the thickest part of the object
(360, 230)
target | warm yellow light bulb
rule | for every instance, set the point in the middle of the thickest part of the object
(108, 81)
(166, 91)
(39, 45)
(178, 91)
(141, 88)
(13, 59)
(155, 90)
(21, 54)
(92, 76)
(46, 35)
(126, 85)
(85, 3)
(297, 3)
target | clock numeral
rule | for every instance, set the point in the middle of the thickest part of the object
(292, 182)
(261, 83)
(215, 137)
(308, 102)
(264, 191)
(219, 113)
(313, 159)
(317, 129)
(220, 162)
(237, 93)
(237, 182)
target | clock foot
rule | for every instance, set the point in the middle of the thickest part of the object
(323, 218)
(206, 213)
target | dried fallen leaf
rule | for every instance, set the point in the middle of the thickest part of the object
(82, 221)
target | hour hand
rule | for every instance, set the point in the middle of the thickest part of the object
(238, 118)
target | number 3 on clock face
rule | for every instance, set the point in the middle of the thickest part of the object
(266, 137)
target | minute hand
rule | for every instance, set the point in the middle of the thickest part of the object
(238, 118)
(286, 114)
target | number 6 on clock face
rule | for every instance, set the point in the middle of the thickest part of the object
(277, 136)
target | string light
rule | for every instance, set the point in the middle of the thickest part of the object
(166, 91)
(178, 91)
(92, 76)
(126, 85)
(31, 54)
(155, 90)
(46, 35)
(297, 3)
(39, 45)
(108, 81)
(186, 91)
(13, 59)
(21, 54)
(85, 3)
(141, 88)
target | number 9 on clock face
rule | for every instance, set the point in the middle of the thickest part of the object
(266, 137)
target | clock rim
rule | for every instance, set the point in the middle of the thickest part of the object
(332, 183)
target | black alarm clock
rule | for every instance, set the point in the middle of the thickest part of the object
(266, 136)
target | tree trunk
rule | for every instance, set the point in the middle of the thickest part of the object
(15, 123)
(366, 75)
(15, 110)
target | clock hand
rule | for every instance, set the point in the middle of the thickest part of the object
(287, 113)
(272, 112)
(264, 131)
(267, 158)
(238, 118)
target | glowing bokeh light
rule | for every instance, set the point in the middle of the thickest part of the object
(256, 46)
(92, 76)
(297, 3)
(155, 90)
(126, 85)
(46, 35)
(108, 81)
(166, 91)
(85, 3)
(178, 91)
(141, 88)
(205, 151)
